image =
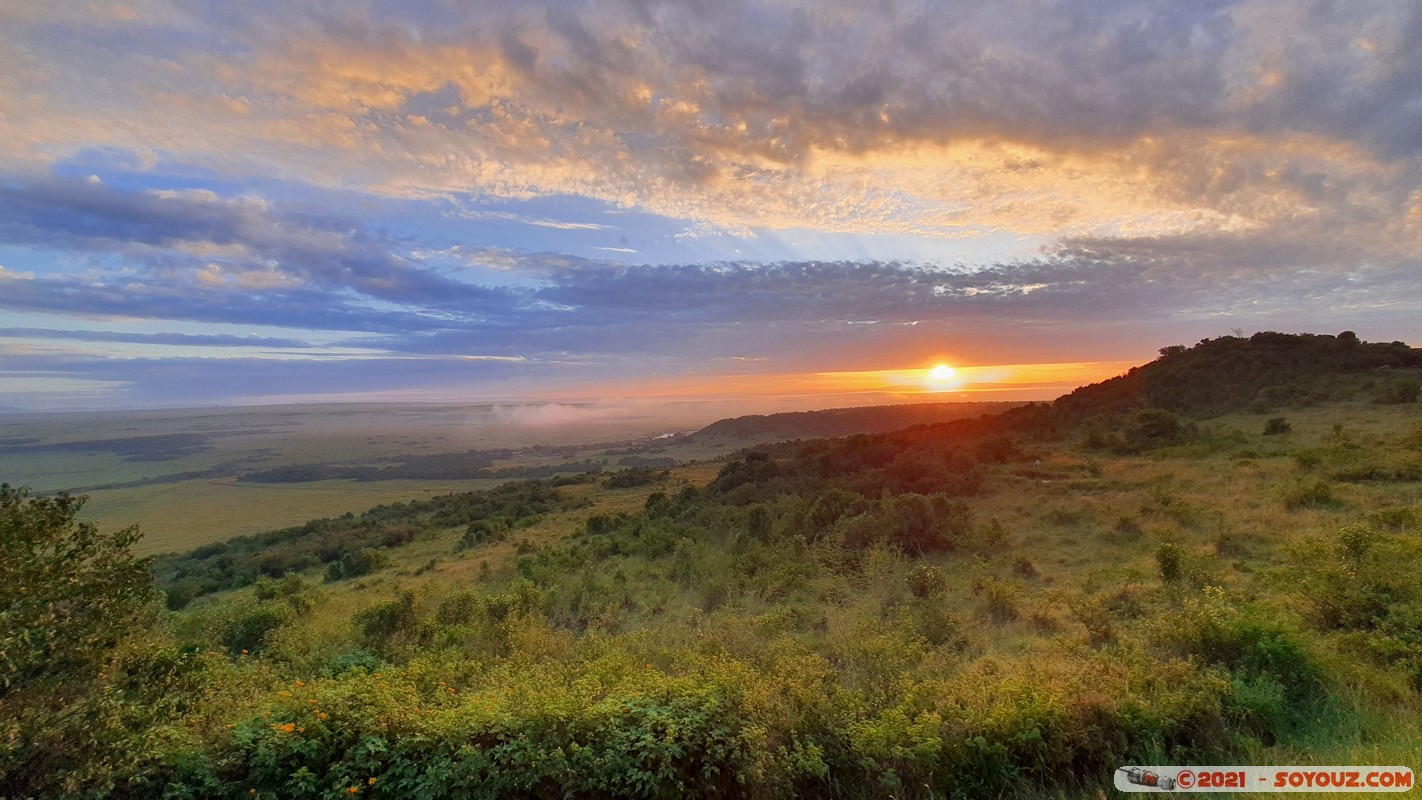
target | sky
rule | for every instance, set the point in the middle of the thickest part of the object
(802, 202)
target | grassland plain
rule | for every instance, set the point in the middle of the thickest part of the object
(968, 611)
(175, 472)
(178, 473)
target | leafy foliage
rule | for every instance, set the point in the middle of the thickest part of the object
(69, 596)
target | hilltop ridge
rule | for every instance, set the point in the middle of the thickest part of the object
(835, 422)
(1258, 373)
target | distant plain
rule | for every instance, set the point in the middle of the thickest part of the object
(175, 473)
(185, 475)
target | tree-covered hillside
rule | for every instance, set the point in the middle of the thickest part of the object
(1263, 372)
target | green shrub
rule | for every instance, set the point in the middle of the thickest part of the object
(927, 523)
(1399, 392)
(926, 581)
(1154, 427)
(249, 632)
(1276, 686)
(1169, 558)
(653, 738)
(459, 608)
(1277, 426)
(989, 538)
(1395, 519)
(482, 531)
(1366, 586)
(758, 524)
(72, 599)
(999, 600)
(358, 660)
(1315, 494)
(388, 622)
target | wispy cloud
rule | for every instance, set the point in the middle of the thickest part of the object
(186, 339)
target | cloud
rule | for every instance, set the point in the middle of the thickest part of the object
(199, 256)
(1097, 119)
(186, 339)
(206, 250)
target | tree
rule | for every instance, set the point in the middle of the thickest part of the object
(68, 595)
(1154, 427)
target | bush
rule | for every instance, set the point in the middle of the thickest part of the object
(459, 608)
(927, 523)
(69, 598)
(481, 531)
(1316, 494)
(656, 738)
(388, 622)
(353, 565)
(1276, 685)
(926, 581)
(1400, 392)
(1154, 427)
(249, 632)
(1170, 560)
(634, 477)
(1277, 426)
(758, 524)
(999, 600)
(1367, 586)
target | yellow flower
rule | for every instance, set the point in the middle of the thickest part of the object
(371, 781)
(353, 790)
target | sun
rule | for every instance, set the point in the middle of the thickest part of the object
(942, 372)
(941, 378)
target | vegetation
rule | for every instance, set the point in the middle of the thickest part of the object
(68, 596)
(842, 421)
(1012, 605)
(349, 546)
(1261, 373)
(442, 466)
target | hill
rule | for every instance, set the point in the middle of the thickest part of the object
(1261, 373)
(838, 422)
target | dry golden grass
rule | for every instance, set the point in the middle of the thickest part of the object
(176, 517)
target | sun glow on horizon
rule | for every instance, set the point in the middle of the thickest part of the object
(943, 378)
(1030, 381)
